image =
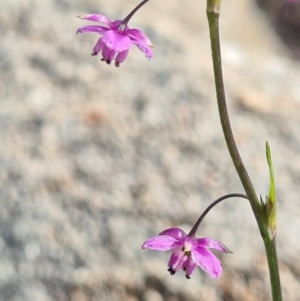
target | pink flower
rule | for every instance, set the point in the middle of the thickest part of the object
(116, 39)
(188, 252)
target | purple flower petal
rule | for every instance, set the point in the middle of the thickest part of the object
(138, 37)
(189, 267)
(209, 243)
(175, 261)
(108, 54)
(207, 261)
(176, 233)
(92, 28)
(148, 52)
(98, 47)
(161, 243)
(116, 41)
(121, 57)
(141, 41)
(96, 18)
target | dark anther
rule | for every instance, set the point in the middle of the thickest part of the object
(94, 53)
(107, 61)
(172, 272)
(117, 64)
(187, 277)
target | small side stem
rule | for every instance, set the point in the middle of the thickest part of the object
(213, 204)
(213, 13)
(129, 16)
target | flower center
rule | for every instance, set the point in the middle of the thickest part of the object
(186, 248)
(187, 253)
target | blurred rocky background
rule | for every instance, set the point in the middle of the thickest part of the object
(95, 159)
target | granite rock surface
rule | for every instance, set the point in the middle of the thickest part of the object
(95, 159)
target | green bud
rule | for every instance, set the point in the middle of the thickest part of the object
(271, 198)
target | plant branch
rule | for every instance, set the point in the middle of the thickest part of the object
(213, 204)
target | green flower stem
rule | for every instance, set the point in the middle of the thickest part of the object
(213, 13)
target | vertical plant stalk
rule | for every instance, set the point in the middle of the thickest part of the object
(213, 13)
